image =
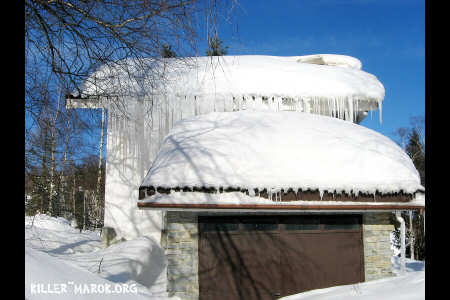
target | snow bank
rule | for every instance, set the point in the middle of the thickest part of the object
(58, 253)
(48, 277)
(139, 260)
(411, 265)
(280, 151)
(406, 287)
(57, 236)
(409, 286)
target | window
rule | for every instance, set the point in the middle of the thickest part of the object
(214, 227)
(341, 222)
(302, 223)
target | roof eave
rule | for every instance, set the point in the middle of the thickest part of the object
(279, 208)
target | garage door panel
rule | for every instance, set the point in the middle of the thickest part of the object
(259, 276)
(268, 257)
(318, 260)
(218, 264)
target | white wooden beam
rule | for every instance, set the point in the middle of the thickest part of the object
(402, 239)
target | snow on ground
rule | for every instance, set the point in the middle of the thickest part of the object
(56, 253)
(56, 236)
(281, 150)
(411, 265)
(408, 286)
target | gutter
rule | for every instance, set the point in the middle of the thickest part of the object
(276, 207)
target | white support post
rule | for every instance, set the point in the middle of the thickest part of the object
(402, 239)
(411, 235)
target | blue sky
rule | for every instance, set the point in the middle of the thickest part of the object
(388, 36)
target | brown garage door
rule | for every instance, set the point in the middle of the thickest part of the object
(267, 257)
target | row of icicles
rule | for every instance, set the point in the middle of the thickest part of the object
(148, 121)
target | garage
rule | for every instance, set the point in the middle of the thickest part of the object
(268, 257)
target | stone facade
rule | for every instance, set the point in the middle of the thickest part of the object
(377, 245)
(180, 242)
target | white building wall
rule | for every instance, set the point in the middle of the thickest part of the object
(136, 129)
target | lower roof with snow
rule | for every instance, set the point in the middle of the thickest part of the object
(269, 152)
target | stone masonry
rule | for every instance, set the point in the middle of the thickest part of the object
(180, 242)
(377, 245)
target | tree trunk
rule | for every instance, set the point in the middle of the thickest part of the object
(51, 208)
(84, 210)
(66, 146)
(43, 178)
(73, 198)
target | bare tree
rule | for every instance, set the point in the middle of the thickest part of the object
(65, 42)
(73, 38)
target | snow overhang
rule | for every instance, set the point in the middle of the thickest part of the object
(332, 60)
(336, 85)
(280, 151)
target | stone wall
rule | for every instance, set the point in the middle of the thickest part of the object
(377, 245)
(180, 242)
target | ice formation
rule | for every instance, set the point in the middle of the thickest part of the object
(281, 150)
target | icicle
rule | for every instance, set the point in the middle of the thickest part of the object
(350, 106)
(307, 106)
(381, 111)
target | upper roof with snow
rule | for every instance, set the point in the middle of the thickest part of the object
(324, 76)
(281, 150)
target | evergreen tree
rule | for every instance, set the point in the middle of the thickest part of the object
(416, 151)
(216, 47)
(167, 51)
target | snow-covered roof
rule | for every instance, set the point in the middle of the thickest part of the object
(281, 150)
(333, 77)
